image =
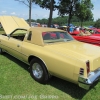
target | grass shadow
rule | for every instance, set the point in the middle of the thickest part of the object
(18, 62)
(70, 88)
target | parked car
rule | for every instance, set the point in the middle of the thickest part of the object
(92, 36)
(63, 28)
(88, 38)
(94, 30)
(50, 52)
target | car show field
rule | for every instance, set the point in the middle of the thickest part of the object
(49, 50)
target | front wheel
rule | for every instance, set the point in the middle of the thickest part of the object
(38, 71)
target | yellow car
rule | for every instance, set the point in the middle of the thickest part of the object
(50, 52)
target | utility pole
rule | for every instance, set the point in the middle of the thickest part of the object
(30, 7)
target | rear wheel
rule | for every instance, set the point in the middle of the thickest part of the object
(38, 71)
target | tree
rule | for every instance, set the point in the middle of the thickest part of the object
(67, 8)
(29, 4)
(97, 23)
(48, 4)
(83, 10)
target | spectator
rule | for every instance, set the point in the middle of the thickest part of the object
(70, 29)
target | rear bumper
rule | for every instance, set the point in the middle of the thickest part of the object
(87, 82)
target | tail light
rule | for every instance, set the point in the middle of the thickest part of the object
(88, 67)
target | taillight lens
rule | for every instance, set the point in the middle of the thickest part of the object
(88, 67)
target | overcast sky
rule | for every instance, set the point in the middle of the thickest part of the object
(15, 8)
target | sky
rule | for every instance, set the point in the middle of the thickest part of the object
(15, 8)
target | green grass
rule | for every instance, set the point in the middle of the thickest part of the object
(17, 84)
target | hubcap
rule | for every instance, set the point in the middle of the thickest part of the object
(37, 70)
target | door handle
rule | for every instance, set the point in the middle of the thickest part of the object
(18, 45)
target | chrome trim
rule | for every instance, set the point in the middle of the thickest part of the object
(87, 82)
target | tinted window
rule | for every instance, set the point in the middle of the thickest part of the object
(52, 37)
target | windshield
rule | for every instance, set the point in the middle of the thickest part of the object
(52, 37)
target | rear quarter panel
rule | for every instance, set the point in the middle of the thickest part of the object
(61, 66)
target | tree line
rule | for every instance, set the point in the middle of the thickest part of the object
(63, 21)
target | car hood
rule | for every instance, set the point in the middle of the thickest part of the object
(10, 23)
(75, 49)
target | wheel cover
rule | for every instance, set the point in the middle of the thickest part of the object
(37, 70)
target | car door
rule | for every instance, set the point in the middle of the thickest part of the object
(13, 43)
(15, 47)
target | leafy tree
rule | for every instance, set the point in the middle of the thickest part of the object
(44, 21)
(83, 10)
(60, 20)
(32, 20)
(97, 23)
(74, 19)
(29, 4)
(48, 4)
(67, 8)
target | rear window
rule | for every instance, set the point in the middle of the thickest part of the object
(52, 37)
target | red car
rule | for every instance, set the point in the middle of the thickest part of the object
(94, 38)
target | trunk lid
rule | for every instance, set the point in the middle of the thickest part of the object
(78, 50)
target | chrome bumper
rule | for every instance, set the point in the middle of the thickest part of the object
(87, 82)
